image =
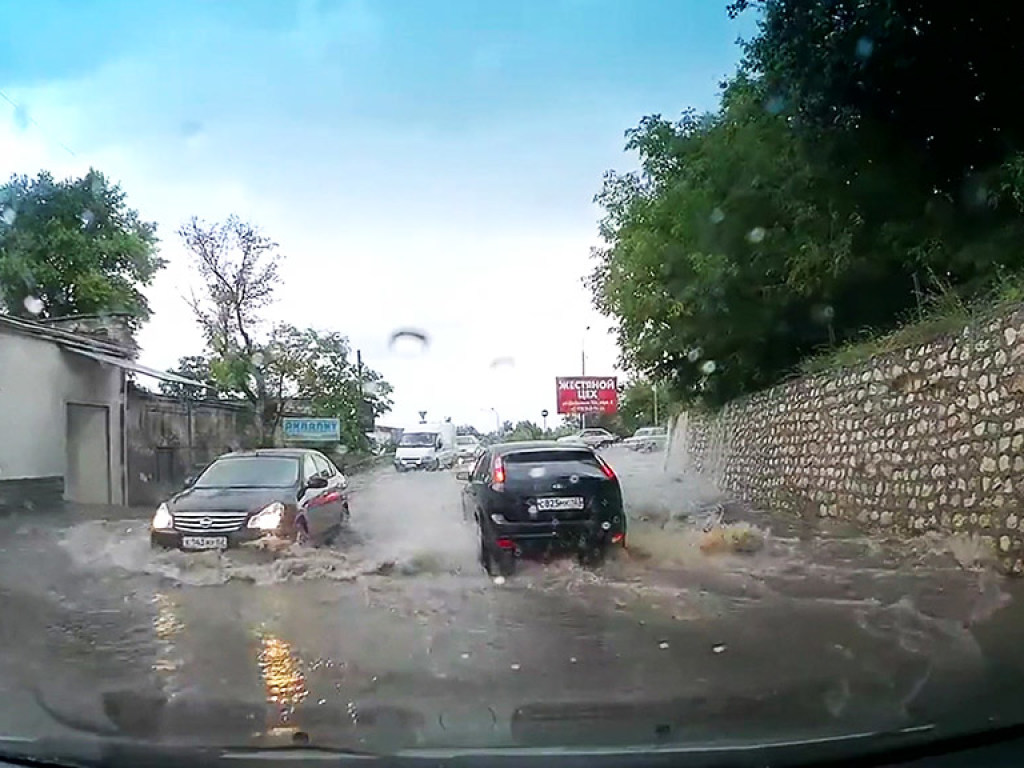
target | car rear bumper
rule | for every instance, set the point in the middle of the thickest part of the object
(174, 539)
(561, 534)
(426, 462)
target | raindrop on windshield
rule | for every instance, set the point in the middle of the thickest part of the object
(663, 645)
(774, 105)
(756, 235)
(694, 354)
(33, 304)
(258, 359)
(9, 215)
(370, 388)
(21, 118)
(719, 648)
(88, 217)
(708, 367)
(717, 216)
(408, 342)
(503, 362)
(865, 47)
(824, 313)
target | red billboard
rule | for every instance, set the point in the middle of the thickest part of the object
(587, 394)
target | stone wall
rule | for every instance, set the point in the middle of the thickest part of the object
(169, 439)
(930, 437)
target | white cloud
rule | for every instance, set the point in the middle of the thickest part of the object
(450, 234)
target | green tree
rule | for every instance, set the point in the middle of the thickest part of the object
(281, 367)
(239, 269)
(195, 367)
(73, 247)
(315, 367)
(523, 430)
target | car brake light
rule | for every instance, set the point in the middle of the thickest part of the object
(498, 474)
(618, 538)
(505, 544)
(608, 471)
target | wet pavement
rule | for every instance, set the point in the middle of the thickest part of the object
(395, 637)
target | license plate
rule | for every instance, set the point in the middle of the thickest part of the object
(564, 502)
(204, 542)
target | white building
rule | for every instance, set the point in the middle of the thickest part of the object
(62, 401)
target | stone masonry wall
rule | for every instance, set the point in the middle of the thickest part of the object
(930, 437)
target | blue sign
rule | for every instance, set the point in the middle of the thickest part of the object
(323, 430)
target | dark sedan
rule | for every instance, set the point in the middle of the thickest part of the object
(536, 498)
(289, 493)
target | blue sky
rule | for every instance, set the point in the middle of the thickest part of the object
(420, 163)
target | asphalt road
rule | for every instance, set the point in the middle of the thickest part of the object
(395, 636)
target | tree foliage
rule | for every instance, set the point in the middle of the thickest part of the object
(276, 368)
(73, 247)
(811, 205)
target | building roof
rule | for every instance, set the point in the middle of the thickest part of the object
(62, 337)
(106, 352)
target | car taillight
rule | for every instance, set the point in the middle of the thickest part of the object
(498, 474)
(608, 471)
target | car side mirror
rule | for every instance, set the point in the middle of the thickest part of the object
(316, 482)
(190, 481)
(464, 476)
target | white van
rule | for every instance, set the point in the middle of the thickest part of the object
(426, 446)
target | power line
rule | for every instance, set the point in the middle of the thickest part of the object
(21, 110)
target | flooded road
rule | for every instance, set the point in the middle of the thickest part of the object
(394, 636)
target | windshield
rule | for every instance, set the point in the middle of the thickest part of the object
(250, 472)
(417, 439)
(729, 448)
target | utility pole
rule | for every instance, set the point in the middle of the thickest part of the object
(654, 388)
(583, 371)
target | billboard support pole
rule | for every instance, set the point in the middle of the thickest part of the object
(583, 372)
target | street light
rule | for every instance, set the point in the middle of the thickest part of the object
(497, 421)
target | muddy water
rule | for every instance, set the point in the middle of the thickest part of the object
(395, 633)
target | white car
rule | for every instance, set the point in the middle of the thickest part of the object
(594, 438)
(467, 446)
(647, 439)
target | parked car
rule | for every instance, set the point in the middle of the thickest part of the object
(593, 438)
(467, 447)
(291, 493)
(543, 497)
(647, 439)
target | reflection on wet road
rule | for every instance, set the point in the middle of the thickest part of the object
(394, 636)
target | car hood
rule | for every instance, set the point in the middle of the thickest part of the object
(229, 499)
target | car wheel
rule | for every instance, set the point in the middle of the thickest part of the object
(302, 537)
(500, 563)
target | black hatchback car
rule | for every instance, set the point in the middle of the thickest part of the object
(539, 498)
(290, 493)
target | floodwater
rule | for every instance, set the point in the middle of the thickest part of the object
(717, 621)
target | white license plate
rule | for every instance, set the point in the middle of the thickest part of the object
(564, 502)
(204, 542)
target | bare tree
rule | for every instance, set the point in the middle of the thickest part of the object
(239, 268)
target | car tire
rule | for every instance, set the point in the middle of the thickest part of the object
(301, 537)
(500, 563)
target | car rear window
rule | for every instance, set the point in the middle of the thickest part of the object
(250, 472)
(531, 464)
